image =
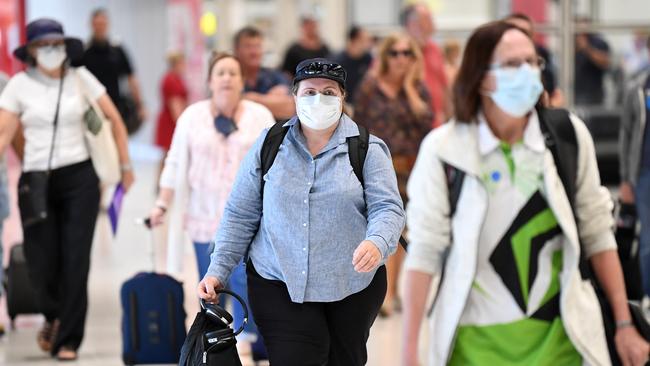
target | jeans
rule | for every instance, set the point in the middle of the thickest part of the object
(643, 211)
(238, 285)
(202, 258)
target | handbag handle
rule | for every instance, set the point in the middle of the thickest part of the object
(205, 305)
(84, 92)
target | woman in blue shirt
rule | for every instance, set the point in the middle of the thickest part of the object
(316, 238)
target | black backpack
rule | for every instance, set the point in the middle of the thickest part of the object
(560, 138)
(357, 151)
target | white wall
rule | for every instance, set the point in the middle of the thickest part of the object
(139, 25)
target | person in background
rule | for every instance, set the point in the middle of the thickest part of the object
(262, 85)
(110, 63)
(395, 106)
(549, 73)
(634, 157)
(355, 59)
(211, 139)
(592, 60)
(315, 274)
(310, 45)
(417, 20)
(635, 57)
(451, 52)
(512, 292)
(57, 247)
(173, 93)
(4, 198)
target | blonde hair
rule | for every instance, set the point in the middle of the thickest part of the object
(388, 43)
(174, 57)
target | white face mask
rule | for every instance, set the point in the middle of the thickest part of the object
(51, 57)
(319, 111)
(517, 90)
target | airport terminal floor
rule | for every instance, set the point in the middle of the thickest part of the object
(116, 260)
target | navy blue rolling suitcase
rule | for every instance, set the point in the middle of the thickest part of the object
(153, 320)
(153, 317)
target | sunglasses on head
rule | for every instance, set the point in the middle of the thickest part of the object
(405, 53)
(319, 68)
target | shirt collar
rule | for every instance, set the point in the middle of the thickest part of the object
(532, 139)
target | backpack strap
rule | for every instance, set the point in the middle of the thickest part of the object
(270, 149)
(560, 138)
(455, 178)
(357, 151)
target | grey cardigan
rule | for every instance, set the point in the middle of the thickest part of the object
(630, 141)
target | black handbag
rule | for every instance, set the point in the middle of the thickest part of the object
(33, 186)
(210, 340)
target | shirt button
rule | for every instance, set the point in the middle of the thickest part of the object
(304, 224)
(305, 201)
(303, 272)
(304, 249)
(308, 183)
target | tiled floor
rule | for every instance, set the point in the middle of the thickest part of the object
(116, 260)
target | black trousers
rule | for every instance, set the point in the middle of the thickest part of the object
(58, 250)
(314, 334)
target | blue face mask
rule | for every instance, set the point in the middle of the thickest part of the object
(225, 125)
(517, 89)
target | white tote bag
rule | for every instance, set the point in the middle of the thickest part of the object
(101, 144)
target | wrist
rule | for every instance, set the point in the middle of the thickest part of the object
(162, 205)
(125, 167)
(624, 324)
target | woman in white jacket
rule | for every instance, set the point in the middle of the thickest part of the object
(512, 292)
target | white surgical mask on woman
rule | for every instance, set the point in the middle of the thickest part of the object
(51, 57)
(517, 89)
(319, 111)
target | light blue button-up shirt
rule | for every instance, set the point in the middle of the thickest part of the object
(313, 216)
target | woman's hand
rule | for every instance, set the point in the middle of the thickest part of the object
(207, 287)
(156, 216)
(127, 179)
(366, 257)
(632, 349)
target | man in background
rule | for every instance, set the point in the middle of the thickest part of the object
(592, 60)
(634, 157)
(109, 63)
(355, 59)
(417, 20)
(262, 85)
(310, 45)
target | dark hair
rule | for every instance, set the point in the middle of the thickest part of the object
(246, 32)
(520, 16)
(406, 13)
(218, 56)
(98, 12)
(476, 62)
(354, 32)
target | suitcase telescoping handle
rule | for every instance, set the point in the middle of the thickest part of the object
(152, 253)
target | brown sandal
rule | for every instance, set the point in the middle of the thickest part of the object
(66, 354)
(47, 335)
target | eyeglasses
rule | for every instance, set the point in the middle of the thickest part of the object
(319, 68)
(396, 53)
(537, 62)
